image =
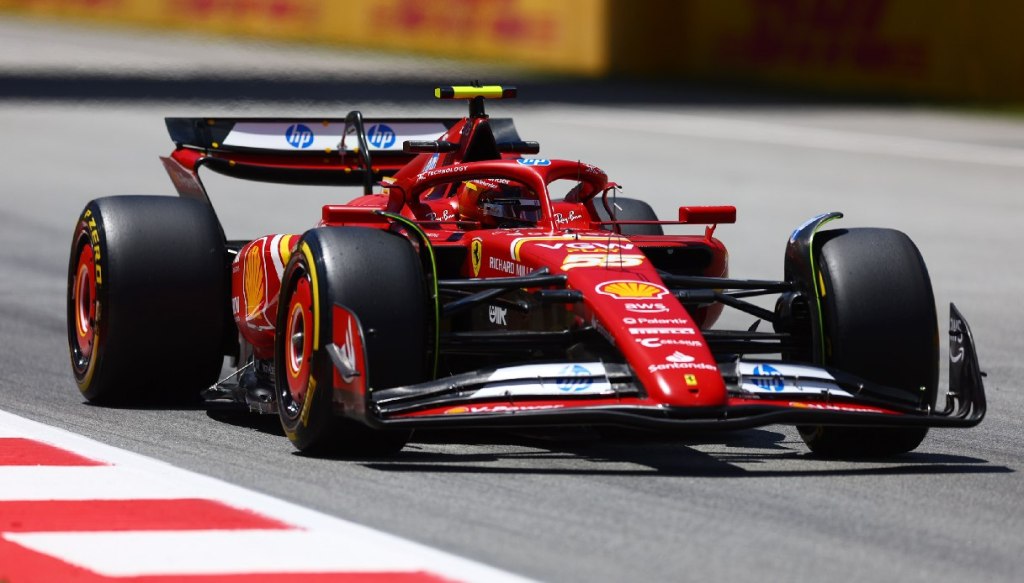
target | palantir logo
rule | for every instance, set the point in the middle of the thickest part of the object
(299, 136)
(381, 136)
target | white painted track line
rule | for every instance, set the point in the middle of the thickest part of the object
(312, 542)
(228, 552)
(90, 483)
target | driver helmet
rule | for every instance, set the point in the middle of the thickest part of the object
(498, 202)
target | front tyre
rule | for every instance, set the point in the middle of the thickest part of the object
(147, 299)
(879, 319)
(378, 277)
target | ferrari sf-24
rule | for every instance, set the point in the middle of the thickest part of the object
(472, 284)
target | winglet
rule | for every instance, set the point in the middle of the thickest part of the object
(476, 94)
(472, 91)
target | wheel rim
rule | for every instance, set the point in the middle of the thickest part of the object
(297, 346)
(84, 308)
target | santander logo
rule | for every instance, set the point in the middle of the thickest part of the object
(680, 361)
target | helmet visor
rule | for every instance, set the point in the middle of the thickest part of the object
(514, 209)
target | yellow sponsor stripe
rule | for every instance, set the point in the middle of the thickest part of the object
(285, 248)
(518, 243)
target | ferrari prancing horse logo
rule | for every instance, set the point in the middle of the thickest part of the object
(476, 255)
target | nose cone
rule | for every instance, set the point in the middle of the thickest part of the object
(658, 337)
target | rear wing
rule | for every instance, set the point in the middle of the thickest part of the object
(321, 151)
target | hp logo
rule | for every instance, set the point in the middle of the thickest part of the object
(774, 382)
(576, 379)
(380, 136)
(299, 136)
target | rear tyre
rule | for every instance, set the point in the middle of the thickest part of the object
(630, 209)
(377, 276)
(880, 323)
(147, 299)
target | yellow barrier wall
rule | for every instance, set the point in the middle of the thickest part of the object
(955, 49)
(547, 34)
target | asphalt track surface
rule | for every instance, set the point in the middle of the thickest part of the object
(577, 506)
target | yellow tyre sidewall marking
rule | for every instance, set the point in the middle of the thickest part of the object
(315, 313)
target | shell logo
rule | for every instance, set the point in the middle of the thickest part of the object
(254, 280)
(457, 411)
(631, 290)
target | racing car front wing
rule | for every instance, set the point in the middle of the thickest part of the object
(760, 392)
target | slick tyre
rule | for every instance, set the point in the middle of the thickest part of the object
(630, 209)
(379, 278)
(147, 300)
(879, 320)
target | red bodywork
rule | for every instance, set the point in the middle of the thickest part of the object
(624, 296)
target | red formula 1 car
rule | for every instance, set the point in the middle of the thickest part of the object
(481, 287)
